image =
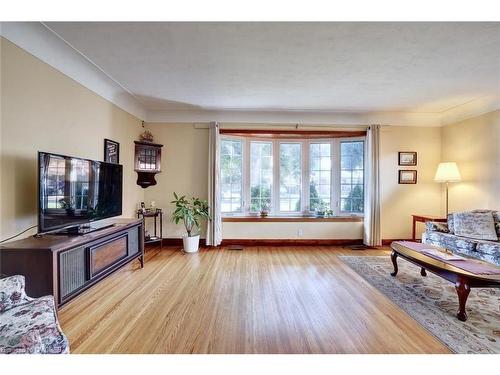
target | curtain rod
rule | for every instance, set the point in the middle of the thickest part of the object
(274, 133)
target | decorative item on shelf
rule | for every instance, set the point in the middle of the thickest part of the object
(407, 177)
(447, 172)
(190, 212)
(407, 158)
(147, 162)
(111, 151)
(264, 210)
(152, 204)
(319, 213)
(323, 210)
(157, 215)
(146, 136)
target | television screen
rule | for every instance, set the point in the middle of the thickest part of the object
(75, 191)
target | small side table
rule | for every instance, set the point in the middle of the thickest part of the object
(156, 214)
(423, 219)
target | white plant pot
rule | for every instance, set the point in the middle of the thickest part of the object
(191, 244)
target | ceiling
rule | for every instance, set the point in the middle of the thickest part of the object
(356, 67)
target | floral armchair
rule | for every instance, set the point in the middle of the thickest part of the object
(28, 325)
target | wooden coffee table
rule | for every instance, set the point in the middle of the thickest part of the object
(462, 279)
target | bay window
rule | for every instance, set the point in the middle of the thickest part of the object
(292, 176)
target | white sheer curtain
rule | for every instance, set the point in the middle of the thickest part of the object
(214, 226)
(371, 235)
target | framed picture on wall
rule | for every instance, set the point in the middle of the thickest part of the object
(407, 158)
(407, 177)
(111, 151)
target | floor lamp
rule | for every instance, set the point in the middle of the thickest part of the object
(447, 172)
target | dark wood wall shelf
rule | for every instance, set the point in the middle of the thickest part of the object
(147, 162)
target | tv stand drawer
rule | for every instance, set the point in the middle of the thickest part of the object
(106, 254)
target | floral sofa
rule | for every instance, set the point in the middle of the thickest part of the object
(446, 235)
(28, 325)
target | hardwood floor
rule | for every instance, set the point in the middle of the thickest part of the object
(259, 300)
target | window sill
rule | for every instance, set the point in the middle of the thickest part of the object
(271, 219)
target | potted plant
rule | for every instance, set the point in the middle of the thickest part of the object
(190, 212)
(264, 209)
(68, 205)
(321, 209)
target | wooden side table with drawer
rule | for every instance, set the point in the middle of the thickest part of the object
(423, 219)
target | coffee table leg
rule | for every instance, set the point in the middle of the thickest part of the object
(394, 257)
(463, 289)
(422, 272)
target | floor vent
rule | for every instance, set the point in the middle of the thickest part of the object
(235, 247)
(360, 247)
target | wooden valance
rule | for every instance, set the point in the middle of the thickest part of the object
(266, 133)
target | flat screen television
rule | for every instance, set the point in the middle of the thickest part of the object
(73, 191)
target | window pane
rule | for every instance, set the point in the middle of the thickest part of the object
(290, 177)
(231, 175)
(352, 176)
(261, 175)
(319, 176)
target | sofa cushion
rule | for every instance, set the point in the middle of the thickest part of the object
(449, 220)
(436, 226)
(458, 245)
(496, 218)
(32, 327)
(11, 292)
(477, 225)
(489, 251)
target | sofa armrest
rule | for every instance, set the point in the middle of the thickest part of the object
(434, 226)
(12, 292)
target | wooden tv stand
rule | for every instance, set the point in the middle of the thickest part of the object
(66, 265)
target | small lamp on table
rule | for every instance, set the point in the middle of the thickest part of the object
(447, 172)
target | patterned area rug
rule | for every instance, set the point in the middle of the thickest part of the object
(432, 301)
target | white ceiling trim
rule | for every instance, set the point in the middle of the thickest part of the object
(41, 42)
(456, 114)
(294, 117)
(470, 109)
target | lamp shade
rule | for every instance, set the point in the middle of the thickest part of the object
(447, 172)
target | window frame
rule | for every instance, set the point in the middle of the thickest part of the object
(248, 173)
(244, 182)
(276, 178)
(335, 174)
(331, 141)
(339, 172)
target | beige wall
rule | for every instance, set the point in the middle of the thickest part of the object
(184, 167)
(399, 202)
(474, 144)
(185, 171)
(290, 230)
(1, 132)
(42, 109)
